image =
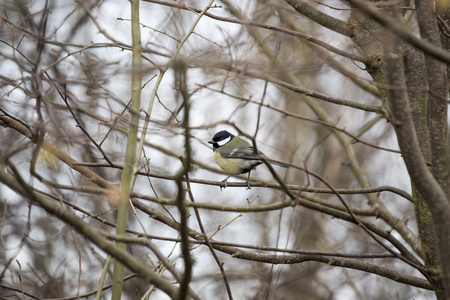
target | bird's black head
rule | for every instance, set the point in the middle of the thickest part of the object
(221, 138)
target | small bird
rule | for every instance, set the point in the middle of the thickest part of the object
(235, 155)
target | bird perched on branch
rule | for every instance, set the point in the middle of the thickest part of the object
(235, 155)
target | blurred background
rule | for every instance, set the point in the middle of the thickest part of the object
(66, 66)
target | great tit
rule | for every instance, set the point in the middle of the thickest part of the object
(235, 155)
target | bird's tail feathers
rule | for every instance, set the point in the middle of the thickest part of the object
(278, 164)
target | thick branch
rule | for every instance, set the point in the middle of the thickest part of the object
(432, 133)
(412, 155)
(401, 30)
(319, 17)
(437, 95)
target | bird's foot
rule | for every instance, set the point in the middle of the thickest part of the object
(225, 184)
(248, 186)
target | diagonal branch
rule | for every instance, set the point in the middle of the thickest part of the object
(291, 259)
(399, 29)
(319, 17)
(17, 184)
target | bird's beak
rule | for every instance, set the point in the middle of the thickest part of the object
(211, 142)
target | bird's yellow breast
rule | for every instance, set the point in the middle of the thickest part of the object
(231, 166)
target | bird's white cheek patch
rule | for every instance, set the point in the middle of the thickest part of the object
(223, 142)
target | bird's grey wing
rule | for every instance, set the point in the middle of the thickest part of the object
(247, 153)
(242, 152)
